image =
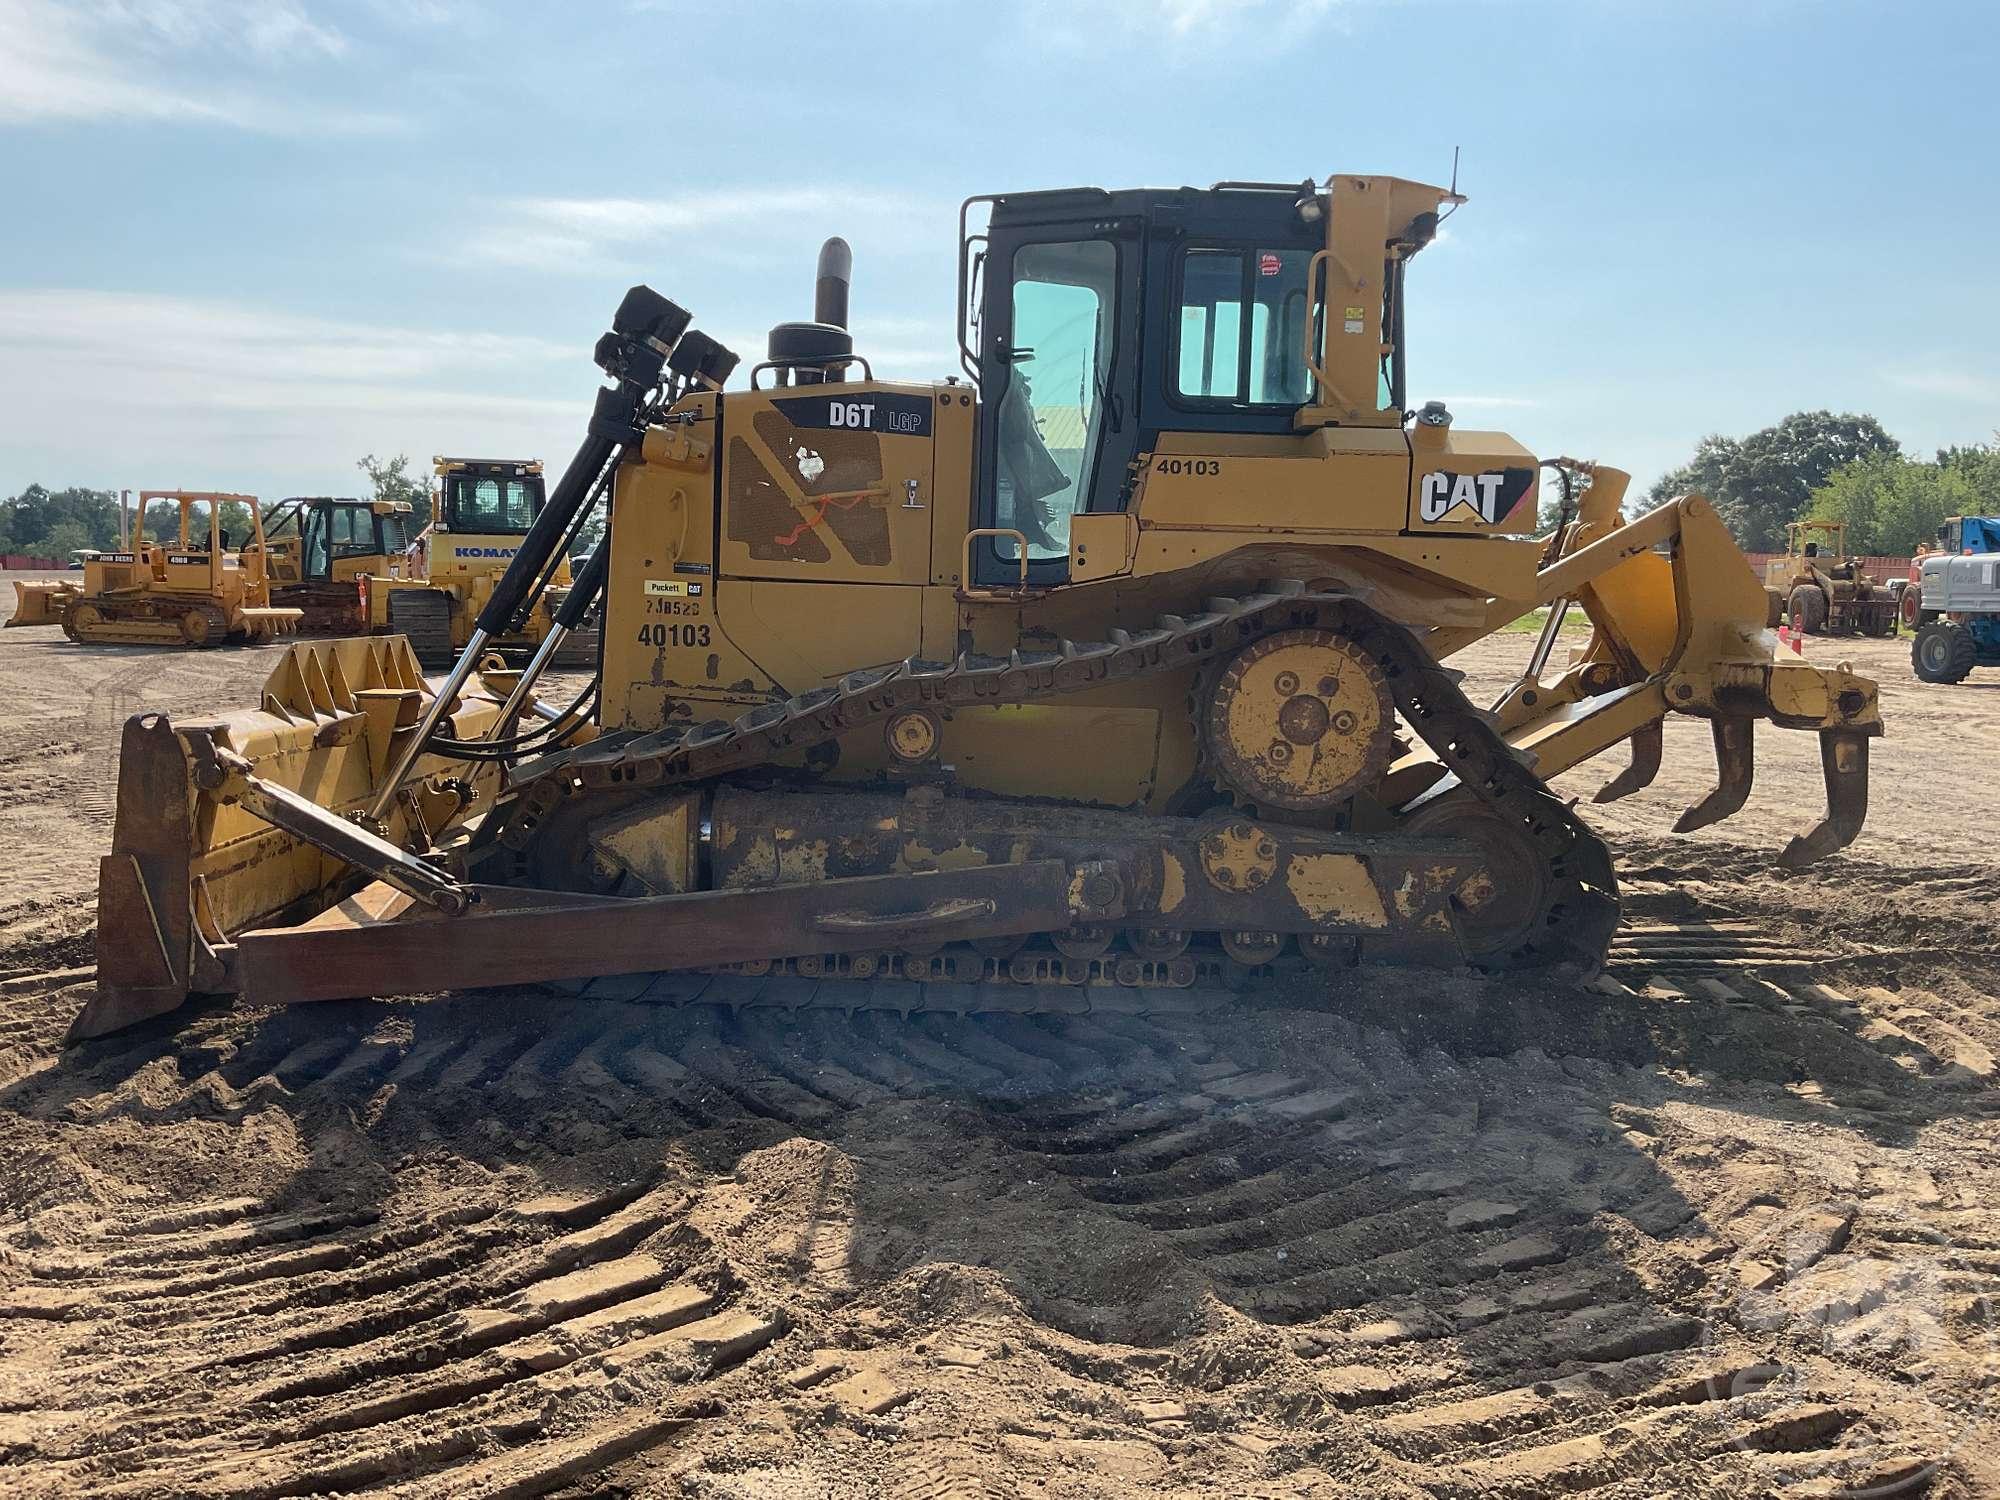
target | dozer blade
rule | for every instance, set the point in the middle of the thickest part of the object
(40, 603)
(190, 867)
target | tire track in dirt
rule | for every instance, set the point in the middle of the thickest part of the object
(1447, 1239)
(1274, 1248)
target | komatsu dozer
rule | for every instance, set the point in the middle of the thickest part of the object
(1111, 675)
(482, 509)
(199, 587)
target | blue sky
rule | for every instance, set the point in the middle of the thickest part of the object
(246, 241)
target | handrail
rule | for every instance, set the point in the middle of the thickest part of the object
(867, 370)
(967, 358)
(965, 558)
(1316, 356)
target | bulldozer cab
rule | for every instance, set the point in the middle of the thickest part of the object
(322, 539)
(488, 497)
(1096, 321)
(481, 509)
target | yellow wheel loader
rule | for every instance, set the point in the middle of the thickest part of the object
(323, 551)
(200, 588)
(1820, 589)
(481, 510)
(1108, 676)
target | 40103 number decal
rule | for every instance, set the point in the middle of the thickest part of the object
(661, 634)
(1201, 467)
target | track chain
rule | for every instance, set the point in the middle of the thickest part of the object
(1583, 910)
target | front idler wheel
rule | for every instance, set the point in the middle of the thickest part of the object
(1503, 906)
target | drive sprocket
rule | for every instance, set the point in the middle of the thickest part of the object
(1300, 720)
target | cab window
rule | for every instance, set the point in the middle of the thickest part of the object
(353, 531)
(312, 521)
(1051, 418)
(1241, 331)
(490, 503)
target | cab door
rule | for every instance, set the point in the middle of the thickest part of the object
(316, 544)
(1058, 362)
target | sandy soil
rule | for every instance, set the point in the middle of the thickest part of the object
(1722, 1224)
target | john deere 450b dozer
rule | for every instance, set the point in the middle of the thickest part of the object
(1105, 677)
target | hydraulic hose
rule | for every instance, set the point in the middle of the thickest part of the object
(633, 354)
(589, 584)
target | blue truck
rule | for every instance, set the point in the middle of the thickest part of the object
(1957, 593)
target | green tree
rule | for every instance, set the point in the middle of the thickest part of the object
(1891, 504)
(591, 532)
(162, 521)
(390, 479)
(64, 538)
(1760, 482)
(29, 518)
(1979, 466)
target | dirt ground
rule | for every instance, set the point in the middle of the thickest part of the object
(1722, 1223)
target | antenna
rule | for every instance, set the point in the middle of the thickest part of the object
(1454, 200)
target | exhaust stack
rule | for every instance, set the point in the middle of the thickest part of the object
(836, 271)
(816, 352)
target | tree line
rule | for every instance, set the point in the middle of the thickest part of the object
(1844, 467)
(41, 522)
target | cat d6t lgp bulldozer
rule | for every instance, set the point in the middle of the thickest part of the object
(1110, 675)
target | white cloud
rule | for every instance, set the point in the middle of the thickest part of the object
(1181, 17)
(261, 28)
(750, 225)
(225, 394)
(1177, 24)
(1492, 403)
(181, 60)
(1952, 385)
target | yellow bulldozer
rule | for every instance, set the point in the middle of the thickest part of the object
(1110, 675)
(482, 508)
(324, 549)
(199, 588)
